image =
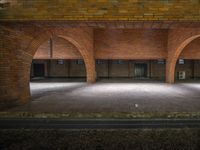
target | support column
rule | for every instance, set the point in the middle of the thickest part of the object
(14, 80)
(170, 70)
(23, 83)
(8, 91)
(23, 67)
(91, 71)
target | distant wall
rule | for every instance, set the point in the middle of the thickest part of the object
(69, 68)
(116, 68)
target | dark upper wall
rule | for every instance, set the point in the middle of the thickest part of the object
(100, 10)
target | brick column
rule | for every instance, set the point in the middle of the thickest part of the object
(8, 82)
(23, 82)
(170, 70)
(21, 67)
(91, 71)
(9, 93)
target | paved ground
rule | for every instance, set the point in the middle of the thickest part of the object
(112, 96)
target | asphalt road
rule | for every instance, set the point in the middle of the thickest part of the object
(98, 123)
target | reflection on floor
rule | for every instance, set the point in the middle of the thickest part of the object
(112, 95)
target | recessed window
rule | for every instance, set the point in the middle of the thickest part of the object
(161, 61)
(181, 61)
(60, 62)
(119, 62)
(114, 62)
(79, 62)
(100, 62)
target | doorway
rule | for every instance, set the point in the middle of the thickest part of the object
(38, 70)
(140, 70)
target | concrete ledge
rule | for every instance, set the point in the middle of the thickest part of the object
(102, 115)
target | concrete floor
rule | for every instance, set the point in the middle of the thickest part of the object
(112, 96)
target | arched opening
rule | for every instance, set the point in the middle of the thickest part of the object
(58, 58)
(184, 65)
(82, 49)
(57, 65)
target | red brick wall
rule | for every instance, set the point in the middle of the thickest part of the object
(115, 44)
(192, 50)
(130, 44)
(64, 49)
(120, 44)
(43, 51)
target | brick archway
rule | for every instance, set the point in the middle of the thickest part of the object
(86, 54)
(176, 50)
(84, 48)
(20, 52)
